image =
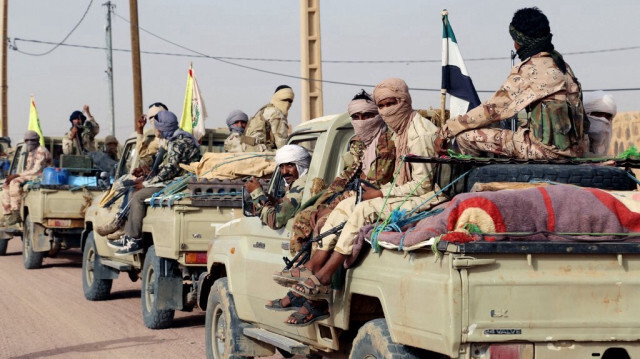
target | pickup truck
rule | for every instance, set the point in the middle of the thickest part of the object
(472, 300)
(179, 232)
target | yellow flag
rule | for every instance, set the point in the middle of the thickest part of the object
(34, 121)
(186, 122)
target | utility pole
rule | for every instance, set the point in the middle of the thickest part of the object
(4, 16)
(109, 71)
(311, 59)
(135, 60)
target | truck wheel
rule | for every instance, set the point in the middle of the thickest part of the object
(602, 177)
(30, 259)
(4, 243)
(152, 316)
(222, 328)
(374, 342)
(94, 289)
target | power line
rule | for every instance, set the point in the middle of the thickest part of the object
(257, 59)
(63, 40)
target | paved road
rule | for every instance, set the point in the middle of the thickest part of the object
(43, 314)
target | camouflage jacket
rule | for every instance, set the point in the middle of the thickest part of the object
(37, 160)
(267, 130)
(181, 150)
(536, 81)
(276, 215)
(380, 172)
(233, 143)
(70, 146)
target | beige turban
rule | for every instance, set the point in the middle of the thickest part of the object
(278, 99)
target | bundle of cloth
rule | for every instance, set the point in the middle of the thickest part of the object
(232, 165)
(542, 213)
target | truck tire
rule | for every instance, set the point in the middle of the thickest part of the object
(223, 329)
(153, 317)
(374, 342)
(602, 177)
(93, 288)
(30, 259)
(4, 243)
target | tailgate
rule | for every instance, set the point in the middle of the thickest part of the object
(554, 296)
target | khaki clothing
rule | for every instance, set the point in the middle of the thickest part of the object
(70, 146)
(421, 137)
(533, 85)
(232, 143)
(267, 130)
(37, 160)
(147, 148)
(276, 215)
(307, 222)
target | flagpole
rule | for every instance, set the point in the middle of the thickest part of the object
(443, 92)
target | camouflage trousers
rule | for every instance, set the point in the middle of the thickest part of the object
(518, 144)
(307, 223)
(367, 212)
(12, 194)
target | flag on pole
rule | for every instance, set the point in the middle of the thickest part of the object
(455, 78)
(193, 110)
(34, 121)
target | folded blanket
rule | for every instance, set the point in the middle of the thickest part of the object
(232, 165)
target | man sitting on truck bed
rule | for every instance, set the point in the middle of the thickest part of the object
(38, 158)
(371, 158)
(182, 148)
(411, 187)
(293, 162)
(543, 85)
(268, 129)
(236, 122)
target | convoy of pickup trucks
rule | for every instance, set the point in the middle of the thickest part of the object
(480, 299)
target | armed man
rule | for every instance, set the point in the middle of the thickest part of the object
(293, 162)
(38, 157)
(81, 137)
(370, 160)
(544, 85)
(268, 129)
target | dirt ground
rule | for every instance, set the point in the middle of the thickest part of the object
(44, 315)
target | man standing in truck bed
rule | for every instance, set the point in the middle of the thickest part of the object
(268, 129)
(38, 157)
(544, 85)
(80, 138)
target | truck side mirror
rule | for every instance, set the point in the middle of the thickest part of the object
(247, 204)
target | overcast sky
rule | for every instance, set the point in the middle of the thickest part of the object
(364, 30)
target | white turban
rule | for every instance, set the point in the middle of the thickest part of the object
(294, 154)
(599, 127)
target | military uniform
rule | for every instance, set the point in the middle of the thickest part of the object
(266, 131)
(233, 143)
(70, 146)
(181, 150)
(555, 115)
(421, 136)
(380, 173)
(276, 215)
(37, 160)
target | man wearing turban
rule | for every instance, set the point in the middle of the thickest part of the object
(544, 85)
(236, 122)
(411, 188)
(38, 157)
(293, 162)
(182, 148)
(81, 137)
(268, 129)
(371, 158)
(601, 109)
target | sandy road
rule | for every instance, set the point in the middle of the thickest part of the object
(43, 314)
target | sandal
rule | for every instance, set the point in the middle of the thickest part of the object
(295, 303)
(317, 291)
(286, 278)
(314, 313)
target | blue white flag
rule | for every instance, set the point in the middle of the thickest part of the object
(455, 78)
